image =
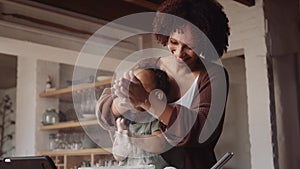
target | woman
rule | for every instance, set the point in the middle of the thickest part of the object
(192, 120)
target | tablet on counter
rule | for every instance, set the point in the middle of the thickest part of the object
(27, 162)
(226, 157)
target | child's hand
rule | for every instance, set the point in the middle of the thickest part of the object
(121, 124)
(121, 146)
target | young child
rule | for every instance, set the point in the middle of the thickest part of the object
(138, 140)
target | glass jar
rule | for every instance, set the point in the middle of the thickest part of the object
(50, 116)
(52, 142)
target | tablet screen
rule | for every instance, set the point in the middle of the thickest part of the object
(27, 162)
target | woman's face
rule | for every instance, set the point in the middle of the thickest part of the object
(182, 44)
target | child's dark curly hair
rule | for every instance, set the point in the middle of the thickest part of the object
(162, 80)
(207, 15)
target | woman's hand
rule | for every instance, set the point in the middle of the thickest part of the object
(131, 90)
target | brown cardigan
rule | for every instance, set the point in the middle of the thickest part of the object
(186, 124)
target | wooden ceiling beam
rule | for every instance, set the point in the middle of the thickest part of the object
(246, 2)
(144, 3)
(154, 6)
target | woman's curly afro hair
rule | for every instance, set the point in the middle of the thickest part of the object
(207, 15)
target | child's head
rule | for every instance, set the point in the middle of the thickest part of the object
(152, 79)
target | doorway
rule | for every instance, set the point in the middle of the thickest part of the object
(8, 84)
(235, 136)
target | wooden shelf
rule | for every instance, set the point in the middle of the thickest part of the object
(69, 158)
(60, 165)
(77, 152)
(75, 88)
(70, 124)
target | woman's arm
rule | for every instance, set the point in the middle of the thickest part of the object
(183, 126)
(154, 143)
(105, 116)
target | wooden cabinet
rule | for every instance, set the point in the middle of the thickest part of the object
(69, 158)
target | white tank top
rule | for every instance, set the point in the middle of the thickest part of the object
(187, 99)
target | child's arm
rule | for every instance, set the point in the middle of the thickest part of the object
(120, 146)
(119, 150)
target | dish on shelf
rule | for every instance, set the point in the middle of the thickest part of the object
(87, 117)
(100, 78)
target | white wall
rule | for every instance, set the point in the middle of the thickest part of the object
(27, 86)
(248, 33)
(31, 81)
(26, 113)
